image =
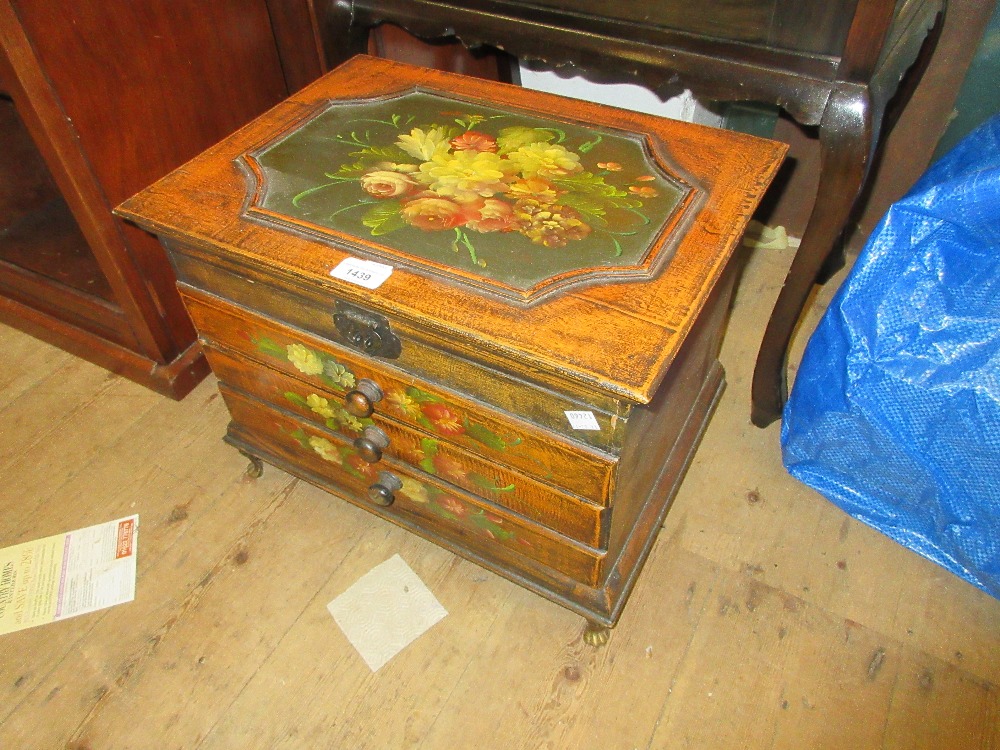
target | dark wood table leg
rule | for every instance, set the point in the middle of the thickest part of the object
(341, 37)
(846, 141)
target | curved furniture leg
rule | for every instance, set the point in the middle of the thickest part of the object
(256, 468)
(846, 141)
(340, 36)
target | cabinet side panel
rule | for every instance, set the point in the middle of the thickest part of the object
(655, 430)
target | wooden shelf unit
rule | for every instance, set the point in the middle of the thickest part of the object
(97, 101)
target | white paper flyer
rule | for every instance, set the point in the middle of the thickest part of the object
(68, 574)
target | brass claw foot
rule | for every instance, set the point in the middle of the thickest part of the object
(596, 634)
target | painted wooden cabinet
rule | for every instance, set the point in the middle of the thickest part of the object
(489, 315)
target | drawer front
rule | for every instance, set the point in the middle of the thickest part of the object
(431, 505)
(423, 452)
(494, 436)
(430, 357)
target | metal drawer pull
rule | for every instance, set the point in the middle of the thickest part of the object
(371, 444)
(361, 401)
(383, 491)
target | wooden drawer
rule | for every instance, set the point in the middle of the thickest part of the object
(421, 451)
(328, 460)
(496, 437)
(306, 306)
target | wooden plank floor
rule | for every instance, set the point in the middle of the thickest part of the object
(765, 617)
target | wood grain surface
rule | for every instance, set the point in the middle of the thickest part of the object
(766, 619)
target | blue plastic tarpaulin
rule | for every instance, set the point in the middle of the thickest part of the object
(895, 411)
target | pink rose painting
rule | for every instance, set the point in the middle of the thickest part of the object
(475, 174)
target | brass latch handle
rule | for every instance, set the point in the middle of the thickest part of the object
(366, 331)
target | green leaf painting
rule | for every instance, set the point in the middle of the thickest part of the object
(508, 196)
(406, 403)
(435, 499)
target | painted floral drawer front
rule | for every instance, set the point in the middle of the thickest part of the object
(448, 511)
(514, 202)
(523, 494)
(577, 471)
(475, 427)
(438, 501)
(407, 403)
(426, 499)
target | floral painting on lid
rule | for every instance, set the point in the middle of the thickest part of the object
(506, 200)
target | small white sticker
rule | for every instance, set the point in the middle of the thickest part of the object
(366, 273)
(582, 420)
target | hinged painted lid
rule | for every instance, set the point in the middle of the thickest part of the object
(506, 201)
(561, 236)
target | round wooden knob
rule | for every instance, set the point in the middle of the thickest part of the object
(361, 401)
(383, 492)
(371, 443)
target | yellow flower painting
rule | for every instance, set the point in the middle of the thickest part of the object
(474, 174)
(508, 201)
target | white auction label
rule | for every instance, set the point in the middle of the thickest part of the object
(582, 420)
(366, 273)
